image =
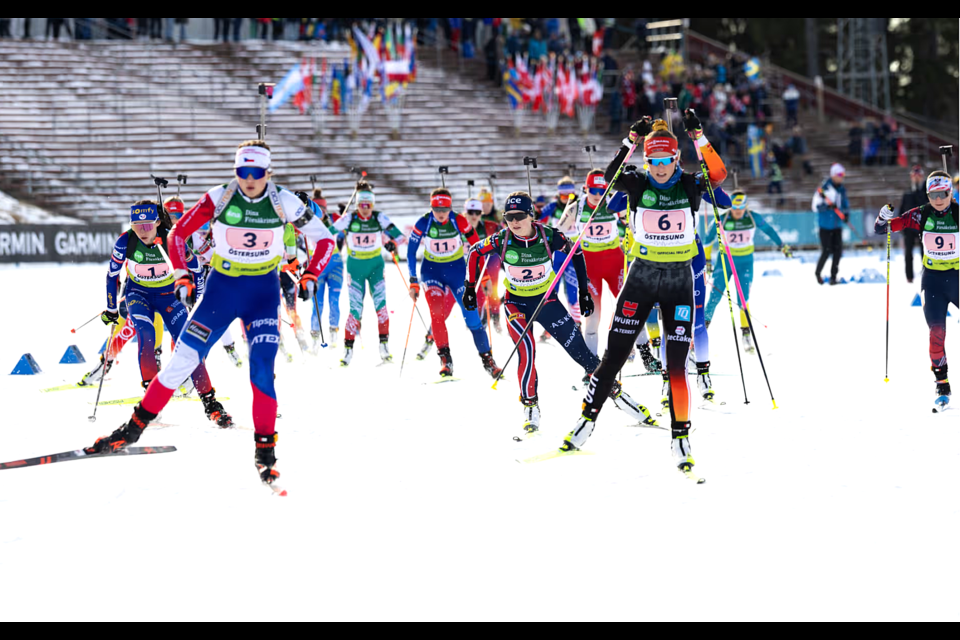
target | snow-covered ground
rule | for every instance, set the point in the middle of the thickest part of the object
(406, 501)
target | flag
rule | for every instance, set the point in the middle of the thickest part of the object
(304, 98)
(511, 83)
(290, 86)
(336, 90)
(324, 86)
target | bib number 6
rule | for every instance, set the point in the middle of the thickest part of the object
(663, 222)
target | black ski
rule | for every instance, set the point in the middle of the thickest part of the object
(79, 455)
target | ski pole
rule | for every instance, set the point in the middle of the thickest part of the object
(406, 346)
(362, 174)
(265, 90)
(590, 150)
(527, 161)
(563, 267)
(444, 171)
(722, 235)
(889, 244)
(404, 281)
(316, 303)
(103, 375)
(946, 152)
(85, 323)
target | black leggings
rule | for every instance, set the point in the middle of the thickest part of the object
(646, 286)
(832, 242)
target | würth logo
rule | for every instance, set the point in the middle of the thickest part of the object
(630, 309)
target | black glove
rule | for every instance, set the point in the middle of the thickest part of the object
(470, 297)
(586, 304)
(692, 123)
(641, 129)
(390, 246)
(110, 317)
(304, 198)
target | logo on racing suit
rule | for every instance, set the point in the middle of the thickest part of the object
(198, 331)
(512, 257)
(649, 198)
(681, 331)
(630, 309)
(683, 314)
(233, 215)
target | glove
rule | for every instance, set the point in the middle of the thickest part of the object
(185, 290)
(692, 124)
(887, 213)
(470, 296)
(292, 267)
(304, 198)
(586, 304)
(390, 246)
(640, 130)
(787, 252)
(308, 286)
(110, 317)
(709, 268)
(414, 289)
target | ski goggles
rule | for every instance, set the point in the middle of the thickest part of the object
(517, 216)
(144, 227)
(474, 213)
(251, 173)
(661, 162)
(596, 192)
(740, 202)
(939, 195)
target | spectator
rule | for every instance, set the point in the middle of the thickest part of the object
(855, 150)
(26, 28)
(156, 28)
(538, 47)
(264, 28)
(221, 29)
(5, 27)
(915, 197)
(491, 53)
(776, 179)
(798, 146)
(237, 26)
(640, 31)
(82, 28)
(143, 27)
(54, 25)
(182, 22)
(831, 204)
(791, 102)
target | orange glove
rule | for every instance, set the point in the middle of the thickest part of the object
(308, 286)
(291, 267)
(414, 291)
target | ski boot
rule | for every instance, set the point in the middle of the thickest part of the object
(301, 336)
(124, 436)
(334, 337)
(427, 345)
(545, 338)
(215, 411)
(231, 350)
(943, 390)
(446, 362)
(266, 458)
(496, 323)
(748, 344)
(665, 401)
(157, 354)
(348, 354)
(649, 360)
(94, 376)
(630, 407)
(578, 437)
(185, 389)
(531, 417)
(490, 366)
(632, 357)
(683, 452)
(385, 356)
(284, 352)
(703, 381)
(315, 348)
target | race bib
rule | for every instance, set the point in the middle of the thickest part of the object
(943, 245)
(151, 272)
(664, 222)
(249, 239)
(600, 232)
(445, 247)
(527, 275)
(364, 241)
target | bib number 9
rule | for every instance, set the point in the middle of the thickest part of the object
(664, 222)
(941, 242)
(249, 239)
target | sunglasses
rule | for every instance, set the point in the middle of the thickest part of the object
(251, 173)
(145, 228)
(474, 213)
(516, 217)
(365, 204)
(596, 192)
(441, 210)
(661, 162)
(938, 195)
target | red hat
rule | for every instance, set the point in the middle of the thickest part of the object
(660, 144)
(596, 181)
(174, 206)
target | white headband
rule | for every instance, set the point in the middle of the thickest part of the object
(474, 205)
(252, 157)
(938, 183)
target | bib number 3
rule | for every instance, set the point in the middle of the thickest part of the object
(249, 239)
